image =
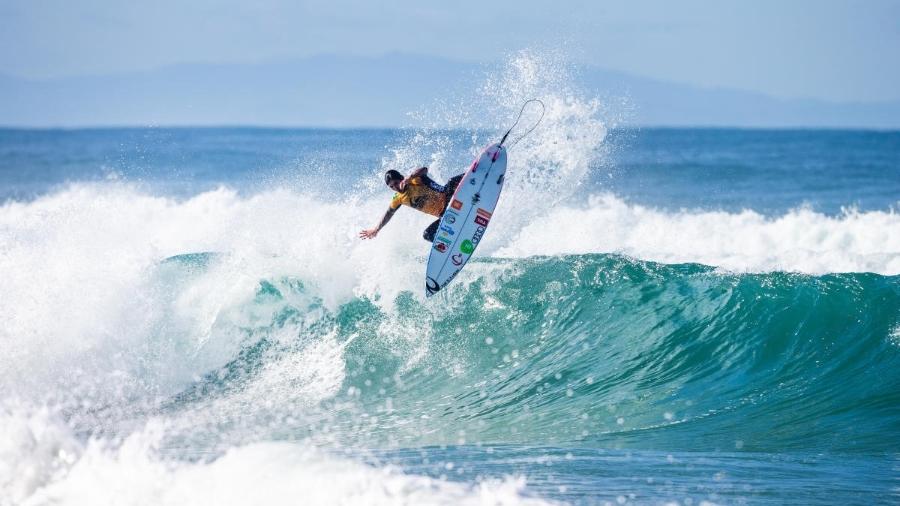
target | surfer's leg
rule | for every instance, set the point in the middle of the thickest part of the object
(428, 235)
(450, 187)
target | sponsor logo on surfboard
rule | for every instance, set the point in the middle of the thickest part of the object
(476, 198)
(441, 247)
(450, 217)
(476, 237)
(482, 217)
(457, 259)
(448, 229)
(431, 286)
(467, 247)
(456, 204)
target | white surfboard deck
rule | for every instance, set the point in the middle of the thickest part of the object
(467, 216)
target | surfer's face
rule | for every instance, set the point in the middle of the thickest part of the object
(394, 184)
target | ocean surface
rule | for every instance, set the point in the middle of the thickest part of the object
(655, 316)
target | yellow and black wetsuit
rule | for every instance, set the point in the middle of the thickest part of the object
(424, 194)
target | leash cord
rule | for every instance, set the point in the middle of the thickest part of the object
(543, 110)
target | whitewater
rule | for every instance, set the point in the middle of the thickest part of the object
(189, 317)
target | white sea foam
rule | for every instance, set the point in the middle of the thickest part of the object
(799, 241)
(35, 448)
(41, 464)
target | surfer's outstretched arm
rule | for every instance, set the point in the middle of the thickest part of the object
(372, 232)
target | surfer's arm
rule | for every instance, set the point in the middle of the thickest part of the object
(372, 232)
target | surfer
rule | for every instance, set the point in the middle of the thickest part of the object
(419, 192)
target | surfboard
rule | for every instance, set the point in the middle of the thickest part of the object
(466, 219)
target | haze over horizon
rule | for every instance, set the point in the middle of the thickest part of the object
(826, 63)
(386, 91)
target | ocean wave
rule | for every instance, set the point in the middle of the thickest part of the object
(337, 345)
(607, 351)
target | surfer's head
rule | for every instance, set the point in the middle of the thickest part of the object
(392, 178)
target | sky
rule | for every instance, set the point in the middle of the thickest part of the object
(840, 51)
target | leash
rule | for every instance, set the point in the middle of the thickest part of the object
(543, 110)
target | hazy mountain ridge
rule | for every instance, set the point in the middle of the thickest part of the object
(346, 91)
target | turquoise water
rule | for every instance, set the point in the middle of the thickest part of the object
(694, 317)
(603, 351)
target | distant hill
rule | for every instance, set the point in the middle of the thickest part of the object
(347, 91)
(660, 103)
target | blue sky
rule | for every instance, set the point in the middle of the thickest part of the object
(832, 50)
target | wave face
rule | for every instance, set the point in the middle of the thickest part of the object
(596, 350)
(606, 350)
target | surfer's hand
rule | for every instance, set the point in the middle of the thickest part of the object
(368, 234)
